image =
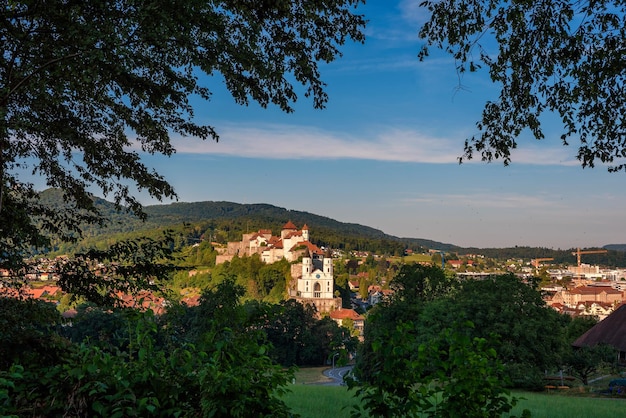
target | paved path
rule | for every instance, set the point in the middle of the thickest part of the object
(336, 374)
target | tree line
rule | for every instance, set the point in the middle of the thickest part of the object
(221, 358)
(440, 345)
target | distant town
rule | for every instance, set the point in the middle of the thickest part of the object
(317, 273)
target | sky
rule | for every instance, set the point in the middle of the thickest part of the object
(384, 153)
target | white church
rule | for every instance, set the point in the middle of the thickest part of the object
(315, 283)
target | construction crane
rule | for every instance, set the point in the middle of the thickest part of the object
(578, 253)
(535, 262)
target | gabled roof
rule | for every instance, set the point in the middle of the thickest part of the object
(313, 249)
(611, 330)
(289, 225)
(275, 242)
(256, 235)
(594, 290)
(346, 314)
(293, 234)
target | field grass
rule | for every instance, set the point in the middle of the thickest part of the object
(311, 375)
(311, 400)
(558, 405)
(319, 401)
(413, 258)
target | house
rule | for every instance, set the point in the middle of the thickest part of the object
(597, 309)
(341, 314)
(455, 263)
(611, 331)
(583, 294)
(354, 285)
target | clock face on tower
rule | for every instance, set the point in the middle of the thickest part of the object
(317, 276)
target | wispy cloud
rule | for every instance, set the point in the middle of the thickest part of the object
(488, 200)
(377, 65)
(393, 144)
(413, 13)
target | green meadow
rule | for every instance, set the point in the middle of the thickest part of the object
(309, 399)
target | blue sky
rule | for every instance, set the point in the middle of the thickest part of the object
(384, 154)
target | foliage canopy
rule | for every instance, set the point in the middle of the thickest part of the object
(561, 57)
(85, 86)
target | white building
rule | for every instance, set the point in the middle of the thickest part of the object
(315, 283)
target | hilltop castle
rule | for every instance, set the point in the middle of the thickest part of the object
(312, 280)
(291, 245)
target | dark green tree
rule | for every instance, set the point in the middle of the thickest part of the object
(510, 314)
(451, 375)
(29, 332)
(83, 85)
(563, 58)
(272, 276)
(578, 326)
(288, 328)
(585, 362)
(414, 286)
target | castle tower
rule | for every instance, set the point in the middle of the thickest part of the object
(288, 228)
(305, 232)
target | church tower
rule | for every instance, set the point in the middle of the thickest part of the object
(315, 282)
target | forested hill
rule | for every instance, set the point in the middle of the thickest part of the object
(226, 221)
(252, 217)
(259, 212)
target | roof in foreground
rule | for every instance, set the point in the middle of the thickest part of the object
(611, 330)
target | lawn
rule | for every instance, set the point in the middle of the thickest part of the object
(311, 400)
(319, 401)
(311, 375)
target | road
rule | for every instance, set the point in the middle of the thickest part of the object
(336, 374)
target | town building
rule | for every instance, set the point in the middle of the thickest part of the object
(341, 315)
(292, 244)
(314, 283)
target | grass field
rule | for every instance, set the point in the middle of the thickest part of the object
(311, 400)
(413, 258)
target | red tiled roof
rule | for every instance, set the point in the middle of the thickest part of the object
(289, 225)
(346, 314)
(191, 300)
(275, 242)
(71, 313)
(293, 234)
(313, 249)
(594, 290)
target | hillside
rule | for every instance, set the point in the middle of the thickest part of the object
(226, 221)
